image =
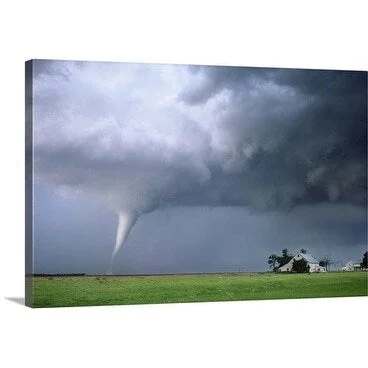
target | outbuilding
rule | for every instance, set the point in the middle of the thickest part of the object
(351, 266)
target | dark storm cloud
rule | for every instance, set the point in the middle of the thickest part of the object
(273, 138)
(306, 129)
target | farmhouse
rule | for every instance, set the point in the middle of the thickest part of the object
(312, 263)
(351, 266)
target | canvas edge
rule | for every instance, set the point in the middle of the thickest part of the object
(29, 183)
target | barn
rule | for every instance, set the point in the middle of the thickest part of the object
(312, 263)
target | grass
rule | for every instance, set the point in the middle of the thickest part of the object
(118, 290)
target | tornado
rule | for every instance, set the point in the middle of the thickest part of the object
(127, 220)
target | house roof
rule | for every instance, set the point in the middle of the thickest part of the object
(308, 257)
(353, 262)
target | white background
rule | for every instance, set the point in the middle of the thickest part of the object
(278, 33)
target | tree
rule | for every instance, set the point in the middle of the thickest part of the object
(285, 257)
(272, 261)
(276, 261)
(304, 251)
(364, 262)
(325, 262)
(300, 266)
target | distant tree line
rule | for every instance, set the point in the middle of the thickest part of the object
(57, 274)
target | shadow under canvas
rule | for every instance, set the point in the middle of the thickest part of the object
(16, 299)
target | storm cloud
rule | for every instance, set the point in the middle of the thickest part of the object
(137, 137)
(144, 135)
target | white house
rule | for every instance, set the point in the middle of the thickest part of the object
(311, 261)
(351, 266)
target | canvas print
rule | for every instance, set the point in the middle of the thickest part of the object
(151, 183)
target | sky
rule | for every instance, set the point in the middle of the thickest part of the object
(200, 168)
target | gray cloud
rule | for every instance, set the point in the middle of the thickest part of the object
(269, 138)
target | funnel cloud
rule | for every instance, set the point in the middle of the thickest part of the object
(136, 138)
(126, 222)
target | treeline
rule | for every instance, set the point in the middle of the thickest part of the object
(57, 274)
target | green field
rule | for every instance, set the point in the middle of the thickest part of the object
(115, 290)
